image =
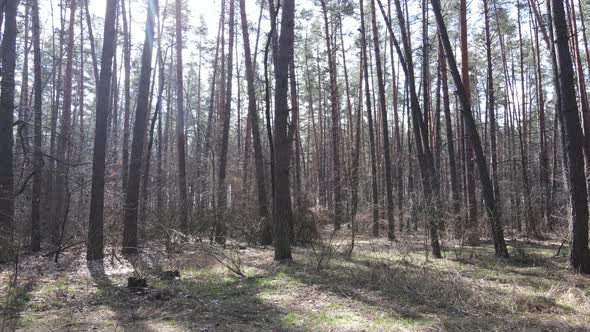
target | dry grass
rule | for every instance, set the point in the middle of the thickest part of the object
(383, 286)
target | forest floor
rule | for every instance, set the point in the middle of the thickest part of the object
(382, 286)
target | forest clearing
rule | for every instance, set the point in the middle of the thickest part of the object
(383, 286)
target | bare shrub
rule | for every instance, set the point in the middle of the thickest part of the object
(230, 256)
(324, 249)
(313, 218)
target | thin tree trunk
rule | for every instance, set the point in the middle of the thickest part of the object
(220, 228)
(544, 169)
(398, 172)
(91, 39)
(57, 86)
(267, 107)
(37, 141)
(24, 93)
(375, 195)
(64, 144)
(470, 197)
(293, 136)
(497, 229)
(254, 126)
(127, 93)
(424, 155)
(491, 101)
(335, 108)
(139, 128)
(209, 131)
(584, 106)
(449, 133)
(180, 139)
(385, 129)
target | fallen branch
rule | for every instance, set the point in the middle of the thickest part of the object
(560, 246)
(63, 248)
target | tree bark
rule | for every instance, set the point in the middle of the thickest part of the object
(375, 195)
(579, 254)
(64, 144)
(127, 95)
(282, 145)
(92, 47)
(220, 227)
(180, 139)
(8, 48)
(385, 129)
(139, 130)
(254, 121)
(495, 220)
(430, 183)
(37, 140)
(470, 197)
(490, 100)
(335, 112)
(94, 247)
(449, 134)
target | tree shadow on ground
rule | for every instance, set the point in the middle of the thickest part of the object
(14, 304)
(191, 303)
(528, 264)
(431, 296)
(117, 298)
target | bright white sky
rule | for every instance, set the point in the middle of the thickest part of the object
(209, 9)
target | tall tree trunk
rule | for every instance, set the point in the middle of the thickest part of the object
(81, 101)
(64, 144)
(356, 153)
(470, 197)
(139, 130)
(385, 126)
(523, 131)
(490, 100)
(254, 124)
(127, 93)
(398, 172)
(8, 48)
(348, 102)
(38, 139)
(113, 128)
(267, 113)
(282, 145)
(424, 155)
(375, 195)
(548, 37)
(293, 136)
(335, 108)
(220, 228)
(544, 170)
(180, 139)
(493, 212)
(584, 106)
(57, 90)
(94, 245)
(91, 39)
(579, 254)
(24, 93)
(449, 134)
(204, 174)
